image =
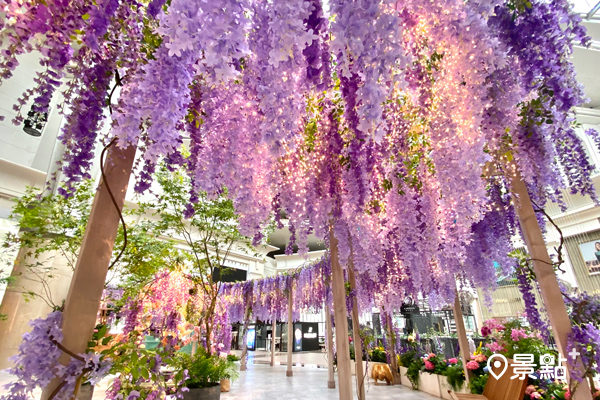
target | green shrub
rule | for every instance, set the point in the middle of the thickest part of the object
(205, 370)
(456, 376)
(412, 372)
(379, 355)
(406, 359)
(477, 384)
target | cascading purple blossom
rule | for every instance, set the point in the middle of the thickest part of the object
(36, 363)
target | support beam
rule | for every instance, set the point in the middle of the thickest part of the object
(546, 277)
(392, 349)
(329, 328)
(290, 335)
(87, 284)
(465, 352)
(341, 321)
(244, 362)
(274, 329)
(358, 350)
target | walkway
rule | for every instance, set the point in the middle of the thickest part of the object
(261, 382)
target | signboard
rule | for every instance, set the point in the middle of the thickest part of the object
(310, 336)
(251, 338)
(298, 337)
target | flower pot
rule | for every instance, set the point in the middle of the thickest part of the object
(445, 386)
(207, 393)
(429, 383)
(225, 385)
(403, 378)
(85, 392)
(353, 367)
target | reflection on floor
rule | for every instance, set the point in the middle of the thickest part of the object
(265, 382)
(262, 381)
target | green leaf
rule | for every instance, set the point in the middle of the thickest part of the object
(102, 331)
(85, 17)
(145, 373)
(106, 340)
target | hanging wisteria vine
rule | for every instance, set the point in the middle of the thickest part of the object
(371, 118)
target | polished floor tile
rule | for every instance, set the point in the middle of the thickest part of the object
(266, 382)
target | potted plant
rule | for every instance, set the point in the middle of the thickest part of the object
(202, 374)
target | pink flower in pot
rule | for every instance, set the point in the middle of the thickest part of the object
(472, 365)
(429, 365)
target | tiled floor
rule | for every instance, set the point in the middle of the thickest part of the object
(262, 381)
(308, 383)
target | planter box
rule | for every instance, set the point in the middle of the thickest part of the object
(225, 385)
(353, 367)
(403, 378)
(209, 393)
(429, 383)
(444, 387)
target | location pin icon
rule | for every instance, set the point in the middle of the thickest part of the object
(497, 365)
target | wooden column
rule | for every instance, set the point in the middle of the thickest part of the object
(360, 373)
(87, 284)
(274, 328)
(341, 321)
(465, 352)
(329, 328)
(546, 277)
(392, 349)
(244, 362)
(290, 344)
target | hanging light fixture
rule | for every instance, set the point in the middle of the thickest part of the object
(35, 122)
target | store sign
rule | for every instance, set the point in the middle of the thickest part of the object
(310, 334)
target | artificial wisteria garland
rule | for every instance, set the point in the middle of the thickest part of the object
(37, 362)
(268, 297)
(376, 125)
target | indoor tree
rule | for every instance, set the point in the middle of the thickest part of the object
(209, 228)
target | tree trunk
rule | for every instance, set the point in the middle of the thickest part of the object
(392, 349)
(546, 277)
(244, 362)
(87, 284)
(465, 352)
(329, 327)
(341, 322)
(358, 350)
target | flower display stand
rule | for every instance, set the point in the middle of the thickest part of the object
(429, 383)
